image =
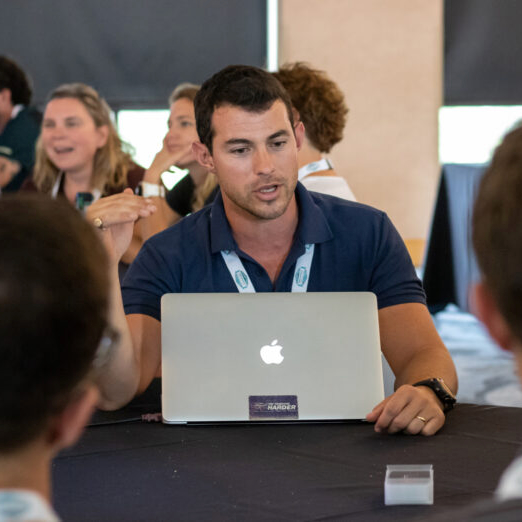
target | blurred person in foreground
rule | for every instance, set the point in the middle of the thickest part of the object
(497, 240)
(19, 126)
(53, 317)
(319, 104)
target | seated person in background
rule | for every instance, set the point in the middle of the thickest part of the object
(53, 315)
(79, 151)
(266, 221)
(319, 104)
(193, 191)
(19, 126)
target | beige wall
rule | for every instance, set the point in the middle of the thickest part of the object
(387, 57)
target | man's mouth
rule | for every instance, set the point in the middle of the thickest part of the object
(268, 190)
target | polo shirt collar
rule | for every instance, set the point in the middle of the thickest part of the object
(221, 237)
(312, 227)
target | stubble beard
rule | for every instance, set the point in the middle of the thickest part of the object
(263, 210)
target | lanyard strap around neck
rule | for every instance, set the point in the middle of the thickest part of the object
(315, 166)
(244, 284)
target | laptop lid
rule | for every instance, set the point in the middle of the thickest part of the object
(270, 356)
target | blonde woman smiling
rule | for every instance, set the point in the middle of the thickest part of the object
(79, 150)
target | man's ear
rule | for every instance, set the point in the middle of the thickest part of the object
(5, 101)
(66, 427)
(203, 156)
(485, 308)
(5, 95)
(299, 132)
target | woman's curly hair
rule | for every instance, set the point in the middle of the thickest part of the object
(318, 100)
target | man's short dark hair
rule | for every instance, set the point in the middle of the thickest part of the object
(53, 309)
(497, 229)
(249, 88)
(12, 77)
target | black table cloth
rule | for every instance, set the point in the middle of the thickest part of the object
(125, 469)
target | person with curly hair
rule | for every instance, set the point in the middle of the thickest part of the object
(319, 104)
(19, 126)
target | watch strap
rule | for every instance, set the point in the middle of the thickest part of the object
(441, 390)
(152, 189)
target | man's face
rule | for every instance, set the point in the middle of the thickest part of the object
(255, 159)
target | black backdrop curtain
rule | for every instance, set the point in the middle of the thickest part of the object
(482, 47)
(133, 51)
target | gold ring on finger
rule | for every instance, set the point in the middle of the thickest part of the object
(98, 223)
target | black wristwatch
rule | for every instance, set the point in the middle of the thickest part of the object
(441, 390)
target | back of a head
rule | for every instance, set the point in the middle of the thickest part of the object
(319, 101)
(12, 77)
(53, 306)
(497, 229)
(243, 86)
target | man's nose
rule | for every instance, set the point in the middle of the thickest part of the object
(263, 161)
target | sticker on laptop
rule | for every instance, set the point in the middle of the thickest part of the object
(273, 407)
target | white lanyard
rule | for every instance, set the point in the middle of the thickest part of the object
(56, 187)
(315, 166)
(243, 283)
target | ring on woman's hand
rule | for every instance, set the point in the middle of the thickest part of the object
(422, 419)
(98, 223)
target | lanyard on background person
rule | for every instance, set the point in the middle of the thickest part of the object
(315, 166)
(96, 193)
(244, 284)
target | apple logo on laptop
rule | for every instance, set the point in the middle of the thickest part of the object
(271, 353)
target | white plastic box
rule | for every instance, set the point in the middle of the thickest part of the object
(408, 484)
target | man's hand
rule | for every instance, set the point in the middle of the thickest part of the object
(8, 170)
(415, 352)
(410, 409)
(118, 214)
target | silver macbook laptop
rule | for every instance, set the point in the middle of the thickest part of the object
(270, 356)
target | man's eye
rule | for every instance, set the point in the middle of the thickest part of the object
(186, 124)
(239, 151)
(278, 144)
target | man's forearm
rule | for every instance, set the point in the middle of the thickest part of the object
(118, 379)
(427, 364)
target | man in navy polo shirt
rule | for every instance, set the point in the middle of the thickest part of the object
(265, 232)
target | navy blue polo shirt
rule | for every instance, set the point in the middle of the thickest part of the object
(357, 248)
